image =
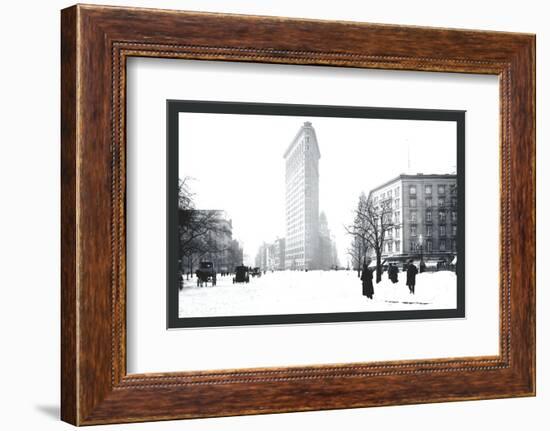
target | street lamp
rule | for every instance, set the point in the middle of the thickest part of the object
(420, 245)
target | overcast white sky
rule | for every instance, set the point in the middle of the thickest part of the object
(237, 165)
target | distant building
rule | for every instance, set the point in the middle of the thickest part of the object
(302, 200)
(271, 256)
(222, 241)
(279, 254)
(237, 255)
(326, 254)
(261, 260)
(425, 216)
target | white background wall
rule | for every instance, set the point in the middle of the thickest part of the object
(29, 215)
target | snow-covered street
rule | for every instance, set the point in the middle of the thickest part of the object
(295, 292)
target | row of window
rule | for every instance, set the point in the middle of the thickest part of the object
(442, 216)
(413, 217)
(395, 246)
(301, 186)
(429, 202)
(294, 250)
(441, 189)
(294, 261)
(428, 191)
(428, 230)
(413, 203)
(428, 246)
(387, 195)
(390, 246)
(396, 230)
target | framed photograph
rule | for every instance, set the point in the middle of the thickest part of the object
(391, 226)
(343, 210)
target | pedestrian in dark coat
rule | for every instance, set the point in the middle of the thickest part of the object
(411, 276)
(393, 273)
(366, 277)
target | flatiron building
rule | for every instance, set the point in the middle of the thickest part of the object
(302, 200)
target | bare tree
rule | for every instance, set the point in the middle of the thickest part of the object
(359, 232)
(201, 232)
(372, 221)
(355, 251)
(185, 195)
(359, 247)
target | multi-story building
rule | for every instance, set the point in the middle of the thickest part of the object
(327, 257)
(221, 238)
(279, 254)
(425, 218)
(262, 257)
(302, 199)
(271, 256)
(236, 255)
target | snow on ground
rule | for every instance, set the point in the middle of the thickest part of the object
(296, 292)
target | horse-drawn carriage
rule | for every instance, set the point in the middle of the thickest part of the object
(206, 273)
(256, 272)
(241, 274)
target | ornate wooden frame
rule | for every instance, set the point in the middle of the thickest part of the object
(95, 43)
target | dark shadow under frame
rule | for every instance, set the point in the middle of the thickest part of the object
(175, 107)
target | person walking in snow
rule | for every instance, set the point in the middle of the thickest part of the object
(411, 276)
(393, 273)
(366, 278)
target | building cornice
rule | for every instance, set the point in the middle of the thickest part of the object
(412, 177)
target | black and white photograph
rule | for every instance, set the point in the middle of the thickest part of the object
(281, 214)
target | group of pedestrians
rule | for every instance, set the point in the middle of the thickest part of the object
(393, 275)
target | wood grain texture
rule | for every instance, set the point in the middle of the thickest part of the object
(96, 41)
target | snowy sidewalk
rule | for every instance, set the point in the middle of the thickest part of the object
(290, 292)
